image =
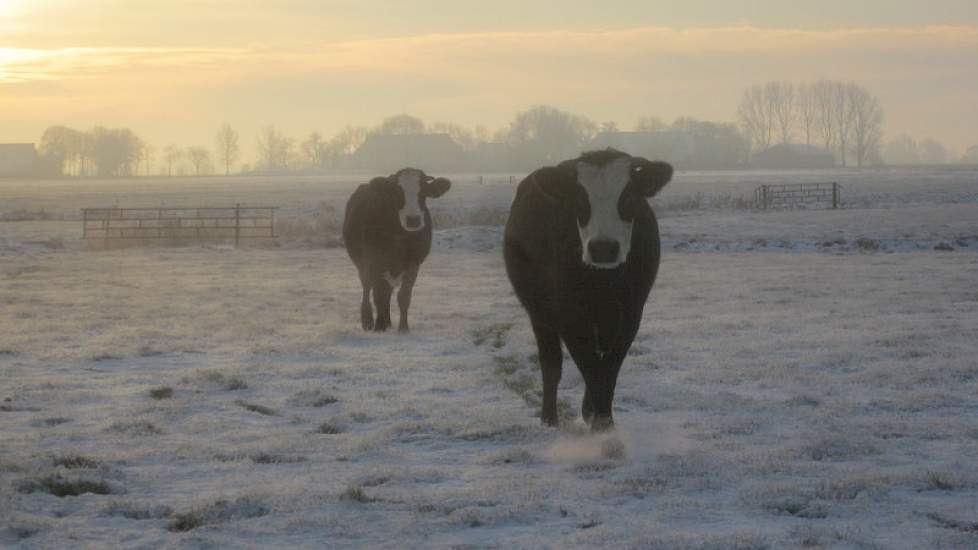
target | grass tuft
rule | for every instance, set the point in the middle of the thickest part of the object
(268, 458)
(61, 487)
(939, 481)
(76, 461)
(235, 383)
(354, 493)
(255, 408)
(330, 428)
(55, 421)
(219, 512)
(494, 334)
(130, 511)
(137, 428)
(949, 523)
(162, 392)
(229, 383)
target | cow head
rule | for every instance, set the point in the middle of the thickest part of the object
(606, 189)
(410, 188)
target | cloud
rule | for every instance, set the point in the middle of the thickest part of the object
(484, 77)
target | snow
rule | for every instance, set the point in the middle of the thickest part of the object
(786, 396)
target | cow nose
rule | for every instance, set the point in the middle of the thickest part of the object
(603, 252)
(413, 221)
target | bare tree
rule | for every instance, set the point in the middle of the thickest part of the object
(780, 97)
(349, 139)
(481, 134)
(544, 134)
(806, 109)
(757, 117)
(970, 156)
(651, 124)
(313, 150)
(60, 147)
(824, 91)
(115, 151)
(171, 155)
(901, 150)
(932, 152)
(842, 109)
(274, 149)
(199, 158)
(459, 134)
(609, 126)
(148, 154)
(400, 125)
(227, 148)
(343, 144)
(866, 123)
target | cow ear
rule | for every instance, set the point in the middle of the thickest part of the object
(650, 176)
(557, 183)
(437, 187)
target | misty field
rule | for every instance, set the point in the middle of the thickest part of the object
(802, 379)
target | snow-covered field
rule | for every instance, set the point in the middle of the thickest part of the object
(802, 379)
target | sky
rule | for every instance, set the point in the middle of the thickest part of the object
(175, 71)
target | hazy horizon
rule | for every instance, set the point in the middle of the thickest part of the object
(173, 73)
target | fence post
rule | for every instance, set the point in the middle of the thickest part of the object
(84, 223)
(764, 195)
(237, 224)
(835, 195)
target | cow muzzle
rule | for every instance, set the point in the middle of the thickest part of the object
(603, 252)
(412, 222)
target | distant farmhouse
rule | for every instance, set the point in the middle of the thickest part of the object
(675, 147)
(490, 156)
(430, 152)
(18, 159)
(787, 156)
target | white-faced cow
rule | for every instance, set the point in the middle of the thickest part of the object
(387, 232)
(582, 252)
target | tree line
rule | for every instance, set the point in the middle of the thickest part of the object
(842, 118)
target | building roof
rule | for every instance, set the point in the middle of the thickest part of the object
(793, 155)
(18, 148)
(425, 151)
(17, 159)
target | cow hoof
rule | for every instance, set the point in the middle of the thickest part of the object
(368, 325)
(548, 421)
(403, 330)
(600, 424)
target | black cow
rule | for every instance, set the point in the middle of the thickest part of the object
(387, 232)
(582, 252)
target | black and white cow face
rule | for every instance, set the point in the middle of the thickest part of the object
(413, 187)
(609, 189)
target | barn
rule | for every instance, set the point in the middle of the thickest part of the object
(675, 147)
(18, 159)
(387, 153)
(792, 156)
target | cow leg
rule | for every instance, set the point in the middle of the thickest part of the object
(382, 300)
(366, 310)
(408, 278)
(548, 346)
(602, 391)
(600, 374)
(587, 408)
